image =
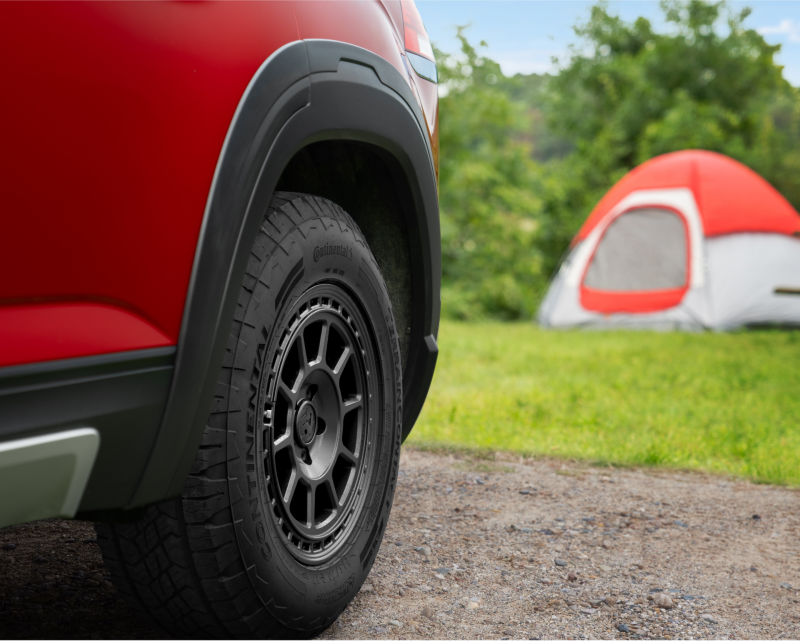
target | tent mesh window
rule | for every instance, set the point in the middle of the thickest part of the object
(642, 250)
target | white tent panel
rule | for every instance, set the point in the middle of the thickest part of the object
(744, 270)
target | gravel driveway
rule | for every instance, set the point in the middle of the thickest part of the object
(481, 548)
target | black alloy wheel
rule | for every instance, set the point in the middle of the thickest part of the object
(316, 422)
(287, 501)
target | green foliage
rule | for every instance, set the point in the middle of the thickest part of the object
(720, 402)
(524, 159)
(489, 193)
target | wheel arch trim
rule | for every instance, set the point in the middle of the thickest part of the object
(305, 92)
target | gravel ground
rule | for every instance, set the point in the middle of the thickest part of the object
(480, 548)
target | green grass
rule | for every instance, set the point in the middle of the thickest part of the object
(725, 403)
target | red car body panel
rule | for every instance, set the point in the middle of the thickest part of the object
(50, 331)
(119, 113)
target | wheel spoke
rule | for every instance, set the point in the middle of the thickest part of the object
(323, 342)
(282, 443)
(289, 394)
(328, 481)
(352, 403)
(301, 348)
(311, 501)
(346, 353)
(291, 487)
(347, 455)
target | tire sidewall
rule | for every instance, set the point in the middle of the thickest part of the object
(327, 248)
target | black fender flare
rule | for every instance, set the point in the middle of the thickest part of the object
(307, 91)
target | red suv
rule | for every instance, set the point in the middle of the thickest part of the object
(220, 293)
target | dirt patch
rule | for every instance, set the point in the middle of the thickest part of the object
(544, 549)
(486, 549)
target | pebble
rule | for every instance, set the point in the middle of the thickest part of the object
(526, 530)
(398, 543)
(560, 563)
(472, 605)
(588, 610)
(680, 524)
(401, 592)
(709, 618)
(663, 601)
(442, 570)
(604, 568)
(427, 612)
(623, 628)
(10, 546)
(572, 577)
(424, 550)
(756, 517)
(396, 623)
(547, 532)
(786, 586)
(524, 491)
(607, 544)
(380, 630)
(439, 576)
(367, 587)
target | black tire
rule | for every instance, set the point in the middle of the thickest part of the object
(230, 558)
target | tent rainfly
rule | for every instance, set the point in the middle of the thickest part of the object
(689, 240)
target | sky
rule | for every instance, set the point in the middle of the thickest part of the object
(523, 35)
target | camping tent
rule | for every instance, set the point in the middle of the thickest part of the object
(688, 240)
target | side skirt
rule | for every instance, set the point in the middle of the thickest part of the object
(120, 397)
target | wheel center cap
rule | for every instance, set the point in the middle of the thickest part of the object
(305, 422)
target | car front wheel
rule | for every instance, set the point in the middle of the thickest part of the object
(290, 492)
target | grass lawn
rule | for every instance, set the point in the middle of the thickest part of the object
(720, 402)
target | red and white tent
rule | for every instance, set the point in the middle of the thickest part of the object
(688, 240)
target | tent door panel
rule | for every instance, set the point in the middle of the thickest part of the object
(640, 264)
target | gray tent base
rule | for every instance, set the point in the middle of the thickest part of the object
(750, 280)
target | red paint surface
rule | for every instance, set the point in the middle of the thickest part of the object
(365, 23)
(642, 301)
(113, 118)
(731, 198)
(35, 333)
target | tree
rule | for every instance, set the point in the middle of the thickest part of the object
(631, 94)
(489, 192)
